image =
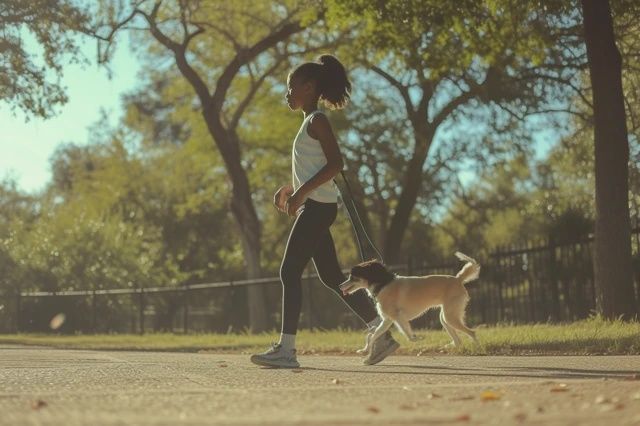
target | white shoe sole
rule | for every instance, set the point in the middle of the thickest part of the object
(279, 363)
(391, 349)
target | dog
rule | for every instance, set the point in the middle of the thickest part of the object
(400, 299)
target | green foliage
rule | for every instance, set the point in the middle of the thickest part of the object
(28, 79)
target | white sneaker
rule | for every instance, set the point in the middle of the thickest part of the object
(276, 356)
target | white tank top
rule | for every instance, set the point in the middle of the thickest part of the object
(307, 158)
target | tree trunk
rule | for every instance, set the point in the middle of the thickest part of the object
(256, 293)
(410, 188)
(612, 258)
(245, 215)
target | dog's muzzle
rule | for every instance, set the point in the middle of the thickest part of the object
(345, 286)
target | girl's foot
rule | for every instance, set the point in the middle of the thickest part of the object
(276, 356)
(384, 346)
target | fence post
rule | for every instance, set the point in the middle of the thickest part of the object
(141, 310)
(500, 301)
(234, 314)
(94, 303)
(553, 282)
(18, 309)
(186, 309)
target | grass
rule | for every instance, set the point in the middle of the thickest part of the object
(593, 336)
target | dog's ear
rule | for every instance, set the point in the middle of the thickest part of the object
(373, 271)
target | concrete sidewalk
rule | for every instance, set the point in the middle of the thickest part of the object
(74, 387)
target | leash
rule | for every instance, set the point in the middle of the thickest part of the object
(367, 249)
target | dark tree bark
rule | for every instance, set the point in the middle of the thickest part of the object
(612, 259)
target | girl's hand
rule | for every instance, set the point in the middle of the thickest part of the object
(280, 197)
(294, 202)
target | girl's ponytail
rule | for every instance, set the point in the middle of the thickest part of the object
(331, 79)
(334, 85)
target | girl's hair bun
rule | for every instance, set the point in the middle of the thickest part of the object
(334, 85)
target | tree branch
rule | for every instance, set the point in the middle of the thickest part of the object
(252, 92)
(179, 50)
(246, 55)
(404, 91)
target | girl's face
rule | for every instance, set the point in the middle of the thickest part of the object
(297, 92)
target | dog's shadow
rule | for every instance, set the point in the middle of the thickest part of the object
(526, 372)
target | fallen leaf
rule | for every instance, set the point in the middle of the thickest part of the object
(373, 409)
(489, 396)
(336, 381)
(433, 396)
(407, 388)
(222, 365)
(297, 370)
(462, 398)
(560, 387)
(611, 407)
(38, 404)
(57, 321)
(463, 418)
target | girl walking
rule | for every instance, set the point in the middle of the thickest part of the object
(312, 200)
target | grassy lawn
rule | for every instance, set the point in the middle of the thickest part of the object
(593, 336)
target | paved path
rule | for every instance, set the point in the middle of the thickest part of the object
(42, 386)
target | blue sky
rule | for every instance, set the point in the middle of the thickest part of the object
(25, 147)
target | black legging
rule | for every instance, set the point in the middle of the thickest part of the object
(310, 239)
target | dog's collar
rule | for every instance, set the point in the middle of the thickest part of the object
(376, 288)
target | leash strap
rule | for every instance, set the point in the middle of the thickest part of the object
(366, 247)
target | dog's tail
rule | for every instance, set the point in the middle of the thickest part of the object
(470, 271)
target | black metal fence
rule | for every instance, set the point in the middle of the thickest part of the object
(532, 282)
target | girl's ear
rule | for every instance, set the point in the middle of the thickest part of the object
(309, 86)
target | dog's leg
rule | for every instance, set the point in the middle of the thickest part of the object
(366, 344)
(405, 328)
(453, 315)
(380, 330)
(450, 330)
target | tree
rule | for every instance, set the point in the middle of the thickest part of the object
(456, 60)
(241, 35)
(612, 259)
(27, 80)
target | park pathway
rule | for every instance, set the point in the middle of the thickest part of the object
(44, 386)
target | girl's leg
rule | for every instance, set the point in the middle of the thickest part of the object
(328, 268)
(300, 247)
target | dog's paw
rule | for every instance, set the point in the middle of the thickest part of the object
(362, 351)
(449, 345)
